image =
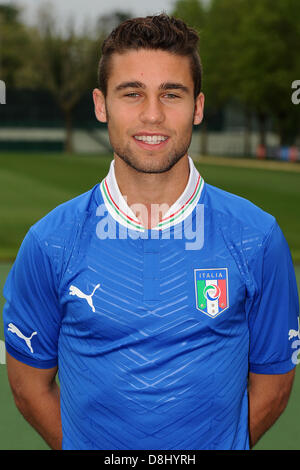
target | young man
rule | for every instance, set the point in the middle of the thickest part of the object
(166, 305)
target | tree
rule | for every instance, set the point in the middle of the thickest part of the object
(62, 62)
(251, 58)
(192, 12)
(270, 30)
(13, 39)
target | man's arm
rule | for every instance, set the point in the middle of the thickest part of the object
(268, 397)
(36, 395)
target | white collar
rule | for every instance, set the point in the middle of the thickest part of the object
(118, 208)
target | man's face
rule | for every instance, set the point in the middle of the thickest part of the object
(150, 108)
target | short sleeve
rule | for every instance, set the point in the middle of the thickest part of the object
(273, 315)
(31, 314)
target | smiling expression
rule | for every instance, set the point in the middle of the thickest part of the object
(150, 108)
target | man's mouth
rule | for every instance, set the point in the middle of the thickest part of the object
(151, 139)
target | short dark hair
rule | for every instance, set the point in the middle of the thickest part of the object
(159, 32)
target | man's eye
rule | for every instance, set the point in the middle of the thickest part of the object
(171, 96)
(132, 95)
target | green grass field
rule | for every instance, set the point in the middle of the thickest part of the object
(31, 185)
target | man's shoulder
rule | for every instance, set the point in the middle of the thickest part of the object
(68, 214)
(238, 210)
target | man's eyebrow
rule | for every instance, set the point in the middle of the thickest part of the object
(124, 85)
(163, 86)
(174, 86)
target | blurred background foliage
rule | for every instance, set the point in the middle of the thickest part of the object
(249, 51)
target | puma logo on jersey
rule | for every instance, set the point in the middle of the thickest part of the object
(14, 329)
(88, 297)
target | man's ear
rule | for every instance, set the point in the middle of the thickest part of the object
(199, 109)
(99, 102)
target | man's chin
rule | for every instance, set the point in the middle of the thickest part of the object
(152, 164)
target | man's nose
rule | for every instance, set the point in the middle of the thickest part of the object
(152, 111)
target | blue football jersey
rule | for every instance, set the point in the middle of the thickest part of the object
(154, 332)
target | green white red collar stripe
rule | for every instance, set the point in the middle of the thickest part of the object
(114, 206)
(117, 206)
(185, 209)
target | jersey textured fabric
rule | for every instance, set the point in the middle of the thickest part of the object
(154, 332)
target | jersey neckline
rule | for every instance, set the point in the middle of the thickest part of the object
(118, 208)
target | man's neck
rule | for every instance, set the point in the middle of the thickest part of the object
(151, 195)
